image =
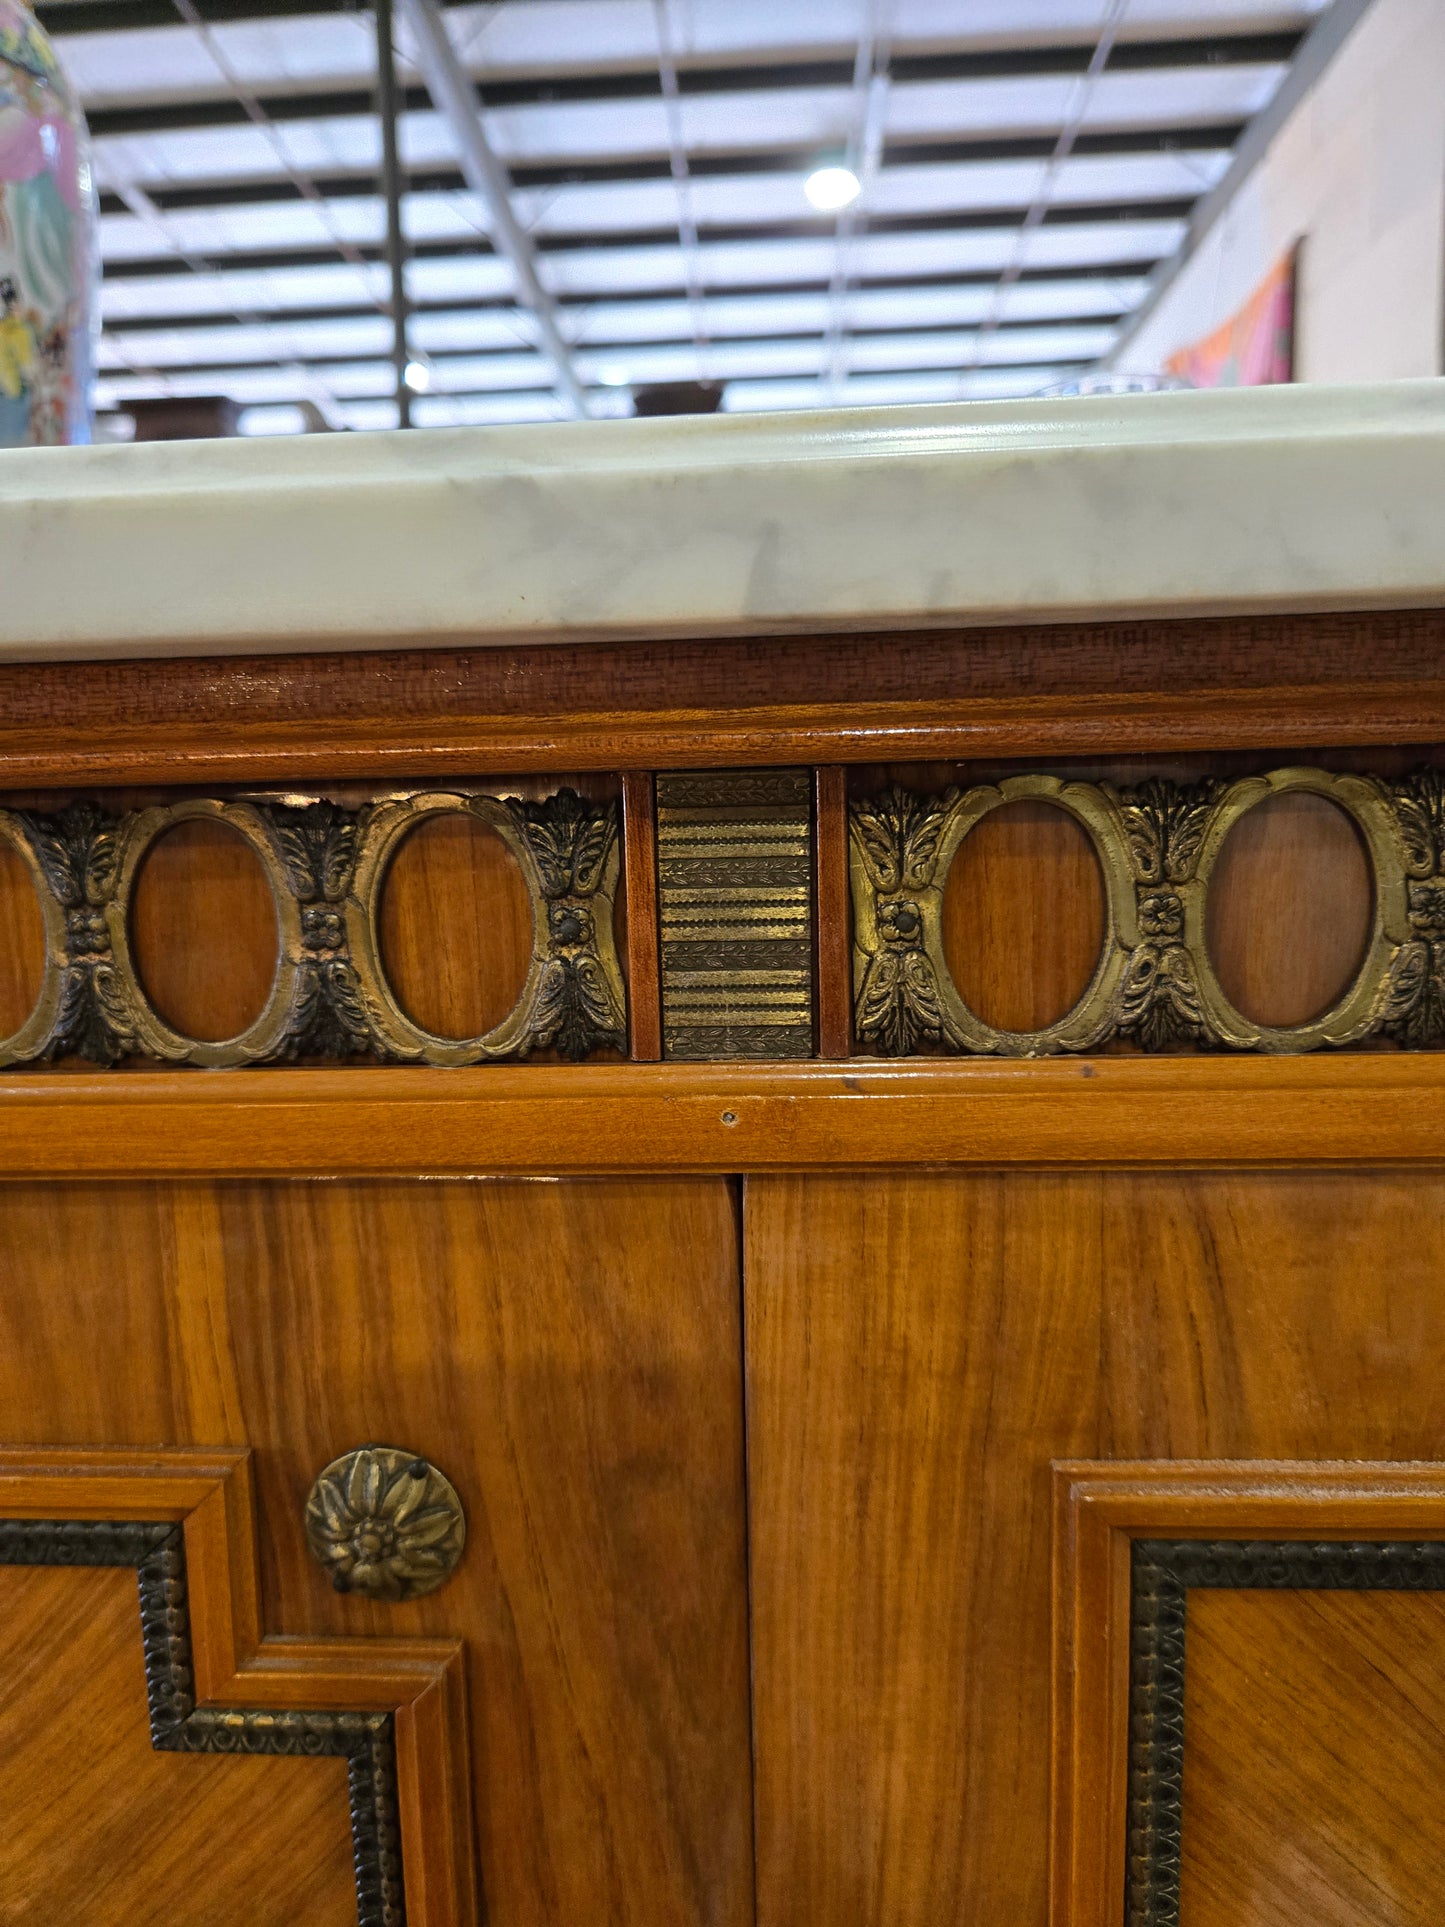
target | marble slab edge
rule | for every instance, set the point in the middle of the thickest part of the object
(1244, 501)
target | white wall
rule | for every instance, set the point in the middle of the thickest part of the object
(1358, 172)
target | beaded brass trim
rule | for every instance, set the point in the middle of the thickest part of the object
(326, 867)
(1157, 846)
(366, 1741)
(1163, 1572)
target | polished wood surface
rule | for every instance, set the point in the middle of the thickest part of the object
(203, 930)
(233, 1665)
(100, 1827)
(546, 1119)
(833, 936)
(1289, 909)
(22, 941)
(569, 1354)
(637, 918)
(455, 926)
(750, 1377)
(1047, 690)
(1316, 1744)
(920, 1348)
(1023, 916)
(1099, 1508)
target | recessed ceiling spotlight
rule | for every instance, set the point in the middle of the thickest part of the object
(830, 188)
(613, 377)
(417, 377)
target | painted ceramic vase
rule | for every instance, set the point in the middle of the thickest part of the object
(47, 250)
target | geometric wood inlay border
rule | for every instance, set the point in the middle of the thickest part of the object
(393, 1706)
(365, 1740)
(1163, 1573)
(1130, 1539)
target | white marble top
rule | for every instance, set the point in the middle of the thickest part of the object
(1168, 504)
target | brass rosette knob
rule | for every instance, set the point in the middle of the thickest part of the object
(385, 1522)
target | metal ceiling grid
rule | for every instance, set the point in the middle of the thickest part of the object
(1026, 166)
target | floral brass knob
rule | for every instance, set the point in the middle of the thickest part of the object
(383, 1522)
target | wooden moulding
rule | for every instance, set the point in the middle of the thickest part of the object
(639, 864)
(1122, 1112)
(1116, 688)
(832, 916)
(1100, 1509)
(928, 730)
(418, 1681)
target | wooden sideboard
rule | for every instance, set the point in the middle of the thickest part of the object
(883, 1191)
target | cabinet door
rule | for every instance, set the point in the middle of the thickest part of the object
(921, 1350)
(567, 1353)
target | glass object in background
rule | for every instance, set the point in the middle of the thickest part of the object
(47, 254)
(1109, 383)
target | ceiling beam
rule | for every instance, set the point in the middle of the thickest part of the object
(599, 304)
(971, 221)
(552, 89)
(623, 347)
(258, 190)
(456, 99)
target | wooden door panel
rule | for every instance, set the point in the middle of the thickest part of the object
(920, 1348)
(1315, 1759)
(101, 1826)
(568, 1353)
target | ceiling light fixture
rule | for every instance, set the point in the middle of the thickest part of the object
(417, 377)
(829, 188)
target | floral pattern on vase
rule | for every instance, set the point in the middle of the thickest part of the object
(47, 259)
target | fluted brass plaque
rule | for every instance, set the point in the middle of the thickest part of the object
(735, 896)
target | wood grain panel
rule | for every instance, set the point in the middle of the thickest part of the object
(1122, 1680)
(730, 702)
(550, 1119)
(220, 1685)
(635, 919)
(921, 1347)
(76, 1266)
(832, 914)
(569, 1355)
(22, 942)
(455, 925)
(102, 1828)
(1288, 916)
(1023, 916)
(203, 930)
(1315, 1759)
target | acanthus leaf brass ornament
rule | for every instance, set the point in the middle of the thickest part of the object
(1154, 985)
(326, 867)
(900, 848)
(1414, 1011)
(385, 1522)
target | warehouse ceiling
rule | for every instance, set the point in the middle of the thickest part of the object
(1026, 165)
